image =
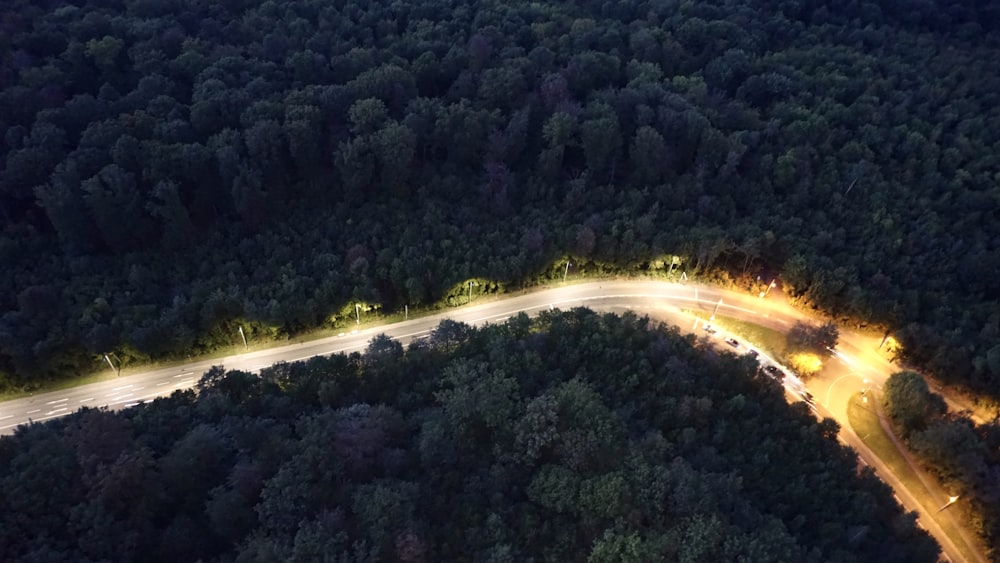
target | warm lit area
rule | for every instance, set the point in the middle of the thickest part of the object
(891, 346)
(806, 363)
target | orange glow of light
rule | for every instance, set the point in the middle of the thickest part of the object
(806, 363)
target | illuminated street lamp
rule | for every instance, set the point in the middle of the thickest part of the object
(951, 501)
(118, 370)
(244, 337)
(471, 283)
(770, 286)
(357, 312)
(717, 305)
(566, 271)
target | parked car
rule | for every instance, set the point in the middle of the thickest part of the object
(733, 342)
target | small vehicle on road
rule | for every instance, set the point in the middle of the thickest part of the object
(774, 372)
(733, 342)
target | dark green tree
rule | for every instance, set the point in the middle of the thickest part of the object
(910, 402)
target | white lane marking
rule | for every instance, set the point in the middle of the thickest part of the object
(122, 387)
(53, 411)
(138, 388)
(6, 417)
(128, 405)
(85, 400)
(183, 374)
(124, 400)
(164, 383)
(414, 334)
(53, 416)
(34, 411)
(57, 401)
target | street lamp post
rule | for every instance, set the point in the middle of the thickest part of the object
(471, 283)
(770, 286)
(117, 370)
(244, 337)
(566, 271)
(951, 501)
(717, 305)
(357, 312)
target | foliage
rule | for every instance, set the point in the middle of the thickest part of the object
(168, 168)
(819, 340)
(572, 437)
(910, 402)
(963, 454)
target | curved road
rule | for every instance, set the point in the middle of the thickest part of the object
(863, 364)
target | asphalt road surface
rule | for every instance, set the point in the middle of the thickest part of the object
(863, 365)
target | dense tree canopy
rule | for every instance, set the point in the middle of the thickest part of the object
(170, 169)
(572, 437)
(910, 402)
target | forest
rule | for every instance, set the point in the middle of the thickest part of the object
(573, 436)
(171, 170)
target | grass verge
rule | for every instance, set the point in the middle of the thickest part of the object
(771, 341)
(864, 419)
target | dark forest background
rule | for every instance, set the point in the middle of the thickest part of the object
(172, 168)
(572, 437)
